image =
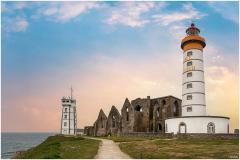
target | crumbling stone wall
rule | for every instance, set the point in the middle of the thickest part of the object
(88, 130)
(113, 122)
(127, 114)
(100, 126)
(141, 115)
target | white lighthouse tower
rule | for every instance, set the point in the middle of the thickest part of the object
(69, 116)
(193, 85)
(194, 118)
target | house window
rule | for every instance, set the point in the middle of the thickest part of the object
(65, 116)
(166, 127)
(189, 74)
(65, 109)
(189, 97)
(189, 109)
(189, 53)
(65, 124)
(189, 63)
(189, 85)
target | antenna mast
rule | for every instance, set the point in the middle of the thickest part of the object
(71, 92)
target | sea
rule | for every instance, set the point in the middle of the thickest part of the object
(12, 142)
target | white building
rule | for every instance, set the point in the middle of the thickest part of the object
(69, 116)
(194, 117)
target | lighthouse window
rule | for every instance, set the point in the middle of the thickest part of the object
(189, 109)
(189, 85)
(189, 63)
(189, 53)
(189, 74)
(189, 97)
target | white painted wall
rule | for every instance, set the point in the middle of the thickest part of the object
(197, 124)
(71, 119)
(197, 91)
(196, 110)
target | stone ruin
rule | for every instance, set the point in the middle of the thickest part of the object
(140, 115)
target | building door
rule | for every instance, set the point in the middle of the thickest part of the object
(182, 128)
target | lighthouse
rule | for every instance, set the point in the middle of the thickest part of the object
(193, 85)
(194, 118)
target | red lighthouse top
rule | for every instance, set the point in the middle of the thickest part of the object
(192, 30)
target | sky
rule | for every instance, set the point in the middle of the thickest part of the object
(109, 51)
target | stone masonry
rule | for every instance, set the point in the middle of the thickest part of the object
(144, 115)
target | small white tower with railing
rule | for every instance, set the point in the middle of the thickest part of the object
(69, 116)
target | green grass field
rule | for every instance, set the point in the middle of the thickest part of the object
(181, 148)
(128, 138)
(63, 147)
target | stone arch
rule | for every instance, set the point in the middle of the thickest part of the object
(138, 108)
(182, 128)
(175, 109)
(164, 102)
(127, 114)
(211, 128)
(101, 122)
(160, 127)
(113, 121)
(158, 112)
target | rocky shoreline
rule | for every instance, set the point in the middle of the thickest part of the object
(18, 155)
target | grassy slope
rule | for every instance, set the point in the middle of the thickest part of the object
(63, 147)
(182, 148)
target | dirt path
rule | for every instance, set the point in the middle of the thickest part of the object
(110, 150)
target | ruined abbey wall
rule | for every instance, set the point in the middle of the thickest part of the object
(140, 115)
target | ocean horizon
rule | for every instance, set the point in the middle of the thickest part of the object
(12, 142)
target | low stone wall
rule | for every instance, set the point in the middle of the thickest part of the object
(148, 134)
(212, 136)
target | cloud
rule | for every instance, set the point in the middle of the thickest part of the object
(176, 21)
(18, 24)
(130, 13)
(228, 10)
(188, 13)
(65, 11)
(11, 7)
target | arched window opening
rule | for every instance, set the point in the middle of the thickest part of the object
(101, 122)
(138, 108)
(182, 128)
(113, 121)
(127, 114)
(163, 102)
(158, 112)
(210, 128)
(159, 127)
(175, 109)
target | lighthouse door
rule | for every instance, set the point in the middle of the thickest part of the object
(182, 128)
